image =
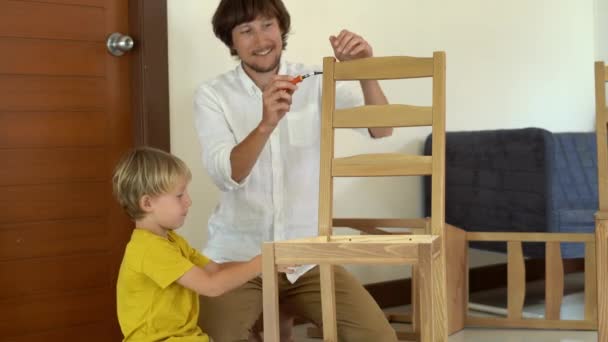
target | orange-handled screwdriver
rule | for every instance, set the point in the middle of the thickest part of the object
(300, 78)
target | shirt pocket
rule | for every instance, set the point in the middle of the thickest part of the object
(303, 126)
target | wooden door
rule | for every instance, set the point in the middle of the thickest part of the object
(65, 118)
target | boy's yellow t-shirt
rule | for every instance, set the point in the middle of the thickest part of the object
(151, 305)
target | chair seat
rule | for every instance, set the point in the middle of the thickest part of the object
(355, 249)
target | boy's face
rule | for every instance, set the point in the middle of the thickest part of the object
(169, 210)
(258, 44)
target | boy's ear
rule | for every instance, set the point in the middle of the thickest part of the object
(145, 203)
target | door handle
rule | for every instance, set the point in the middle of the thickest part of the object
(119, 43)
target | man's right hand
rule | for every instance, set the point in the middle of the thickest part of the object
(276, 100)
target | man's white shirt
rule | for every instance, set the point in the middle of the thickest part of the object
(278, 200)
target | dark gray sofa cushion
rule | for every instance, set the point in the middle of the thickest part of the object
(520, 180)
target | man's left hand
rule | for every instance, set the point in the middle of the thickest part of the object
(348, 45)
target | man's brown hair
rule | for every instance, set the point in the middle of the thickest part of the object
(231, 13)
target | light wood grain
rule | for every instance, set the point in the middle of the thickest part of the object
(392, 115)
(384, 68)
(554, 280)
(415, 315)
(328, 303)
(516, 282)
(378, 223)
(601, 233)
(426, 307)
(426, 251)
(590, 282)
(456, 277)
(438, 150)
(326, 182)
(601, 117)
(530, 323)
(530, 237)
(390, 239)
(346, 253)
(381, 164)
(270, 293)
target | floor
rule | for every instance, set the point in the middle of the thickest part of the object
(572, 308)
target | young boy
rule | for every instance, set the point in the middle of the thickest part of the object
(161, 276)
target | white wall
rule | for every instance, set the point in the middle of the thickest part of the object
(510, 64)
(601, 30)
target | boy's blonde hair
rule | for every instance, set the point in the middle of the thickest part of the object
(145, 171)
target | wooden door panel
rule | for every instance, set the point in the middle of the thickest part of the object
(43, 313)
(54, 58)
(53, 129)
(65, 119)
(94, 3)
(54, 202)
(93, 333)
(23, 277)
(61, 165)
(52, 21)
(42, 93)
(54, 238)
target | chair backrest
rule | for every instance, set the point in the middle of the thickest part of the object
(391, 115)
(601, 119)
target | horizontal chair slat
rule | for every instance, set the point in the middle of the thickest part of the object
(392, 115)
(384, 68)
(372, 226)
(346, 254)
(401, 249)
(404, 239)
(530, 323)
(380, 223)
(383, 164)
(395, 239)
(530, 237)
(387, 231)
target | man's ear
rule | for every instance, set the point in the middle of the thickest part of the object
(145, 203)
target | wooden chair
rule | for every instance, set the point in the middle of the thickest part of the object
(596, 256)
(596, 259)
(456, 245)
(601, 218)
(425, 252)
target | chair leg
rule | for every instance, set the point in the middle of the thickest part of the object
(590, 282)
(415, 300)
(601, 240)
(440, 301)
(328, 303)
(432, 308)
(270, 291)
(425, 307)
(457, 274)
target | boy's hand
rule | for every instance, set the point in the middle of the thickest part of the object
(348, 45)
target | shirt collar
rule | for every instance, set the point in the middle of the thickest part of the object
(248, 83)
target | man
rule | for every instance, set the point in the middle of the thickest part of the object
(260, 139)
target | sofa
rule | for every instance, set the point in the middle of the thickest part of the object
(520, 180)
